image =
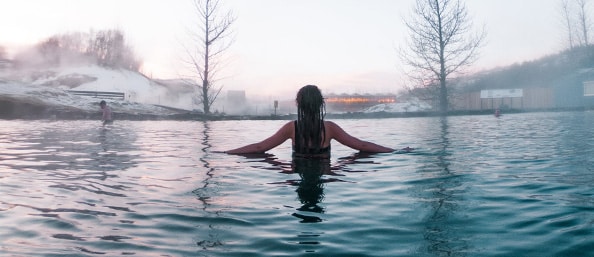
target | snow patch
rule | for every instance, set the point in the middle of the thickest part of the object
(413, 105)
(136, 87)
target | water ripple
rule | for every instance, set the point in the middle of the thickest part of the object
(519, 185)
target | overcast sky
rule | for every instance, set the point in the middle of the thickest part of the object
(343, 46)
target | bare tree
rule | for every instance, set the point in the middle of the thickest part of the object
(50, 50)
(441, 43)
(109, 48)
(210, 43)
(568, 23)
(583, 21)
(106, 48)
(576, 20)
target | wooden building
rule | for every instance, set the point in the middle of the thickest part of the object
(569, 94)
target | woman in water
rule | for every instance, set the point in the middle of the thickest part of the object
(310, 133)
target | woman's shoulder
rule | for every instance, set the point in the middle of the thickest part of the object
(289, 127)
(330, 124)
(331, 128)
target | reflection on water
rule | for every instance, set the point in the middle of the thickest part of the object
(517, 185)
(441, 190)
(204, 147)
(313, 175)
(207, 192)
(310, 189)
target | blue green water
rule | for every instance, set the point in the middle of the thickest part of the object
(517, 185)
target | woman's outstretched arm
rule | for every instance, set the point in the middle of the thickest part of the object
(273, 141)
(344, 138)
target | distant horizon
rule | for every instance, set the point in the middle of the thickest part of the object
(288, 95)
(335, 91)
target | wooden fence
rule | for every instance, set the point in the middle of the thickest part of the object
(533, 98)
(100, 94)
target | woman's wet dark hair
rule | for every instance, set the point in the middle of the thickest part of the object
(102, 102)
(311, 110)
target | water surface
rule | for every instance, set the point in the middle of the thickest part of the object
(517, 185)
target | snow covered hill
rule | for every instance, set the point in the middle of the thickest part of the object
(53, 98)
(50, 87)
(136, 86)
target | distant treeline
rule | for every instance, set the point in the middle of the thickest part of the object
(107, 48)
(569, 68)
(544, 72)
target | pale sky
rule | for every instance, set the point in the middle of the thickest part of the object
(343, 46)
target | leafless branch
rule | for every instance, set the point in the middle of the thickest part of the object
(440, 44)
(210, 45)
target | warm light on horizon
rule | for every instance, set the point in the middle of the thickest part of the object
(359, 100)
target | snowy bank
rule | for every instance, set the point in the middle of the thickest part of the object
(412, 105)
(43, 93)
(60, 98)
(136, 87)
